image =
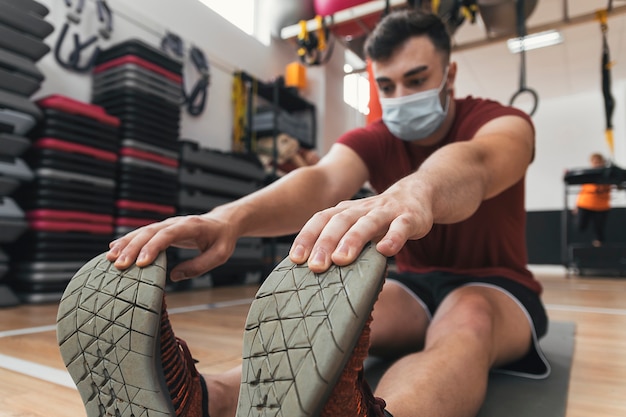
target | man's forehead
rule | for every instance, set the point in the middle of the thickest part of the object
(408, 67)
(417, 70)
(418, 51)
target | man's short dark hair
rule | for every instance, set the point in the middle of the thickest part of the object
(399, 26)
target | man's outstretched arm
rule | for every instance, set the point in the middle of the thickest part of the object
(278, 209)
(447, 188)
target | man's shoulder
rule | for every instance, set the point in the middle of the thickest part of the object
(377, 126)
(375, 129)
(482, 110)
(471, 104)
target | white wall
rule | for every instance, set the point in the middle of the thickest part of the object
(227, 49)
(326, 89)
(570, 120)
(569, 129)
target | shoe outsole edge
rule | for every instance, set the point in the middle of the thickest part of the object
(300, 332)
(108, 325)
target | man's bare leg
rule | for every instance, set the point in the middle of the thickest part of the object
(223, 392)
(474, 329)
(399, 322)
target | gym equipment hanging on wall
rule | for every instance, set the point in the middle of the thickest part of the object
(194, 101)
(73, 63)
(500, 17)
(315, 47)
(452, 12)
(521, 33)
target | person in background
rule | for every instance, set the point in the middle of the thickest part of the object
(593, 205)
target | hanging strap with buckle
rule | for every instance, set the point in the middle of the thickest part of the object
(521, 33)
(195, 101)
(315, 48)
(76, 56)
(609, 101)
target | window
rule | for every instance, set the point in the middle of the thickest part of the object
(238, 12)
(356, 91)
(356, 87)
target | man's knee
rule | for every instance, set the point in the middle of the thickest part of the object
(486, 318)
(466, 310)
(399, 322)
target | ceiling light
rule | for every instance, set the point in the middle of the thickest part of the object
(534, 41)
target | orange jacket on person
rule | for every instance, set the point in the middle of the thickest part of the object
(595, 197)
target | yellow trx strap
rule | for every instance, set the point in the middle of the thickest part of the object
(470, 12)
(602, 16)
(609, 101)
(608, 136)
(239, 113)
(321, 33)
(435, 6)
(311, 45)
(303, 38)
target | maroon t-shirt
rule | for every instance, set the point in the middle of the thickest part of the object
(492, 242)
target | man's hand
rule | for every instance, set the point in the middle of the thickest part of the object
(214, 238)
(338, 234)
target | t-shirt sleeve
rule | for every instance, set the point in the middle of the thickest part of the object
(482, 112)
(367, 142)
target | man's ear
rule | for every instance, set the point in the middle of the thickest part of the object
(451, 75)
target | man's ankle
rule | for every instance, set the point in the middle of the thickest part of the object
(223, 397)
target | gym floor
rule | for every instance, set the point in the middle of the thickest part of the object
(34, 382)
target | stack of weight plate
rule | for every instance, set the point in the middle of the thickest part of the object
(22, 33)
(23, 28)
(208, 178)
(143, 88)
(70, 205)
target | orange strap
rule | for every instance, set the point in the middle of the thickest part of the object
(376, 112)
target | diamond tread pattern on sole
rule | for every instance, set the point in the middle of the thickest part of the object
(300, 331)
(107, 329)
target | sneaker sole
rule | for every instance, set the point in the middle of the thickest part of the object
(300, 332)
(108, 326)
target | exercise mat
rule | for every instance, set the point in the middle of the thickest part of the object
(515, 396)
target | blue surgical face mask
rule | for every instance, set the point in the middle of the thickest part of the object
(416, 116)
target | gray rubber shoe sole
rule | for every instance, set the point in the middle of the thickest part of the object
(108, 327)
(300, 332)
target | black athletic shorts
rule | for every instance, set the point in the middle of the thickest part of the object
(431, 288)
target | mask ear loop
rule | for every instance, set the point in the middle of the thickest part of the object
(443, 84)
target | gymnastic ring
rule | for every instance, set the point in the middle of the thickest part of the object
(532, 92)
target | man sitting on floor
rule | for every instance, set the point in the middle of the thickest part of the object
(449, 174)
